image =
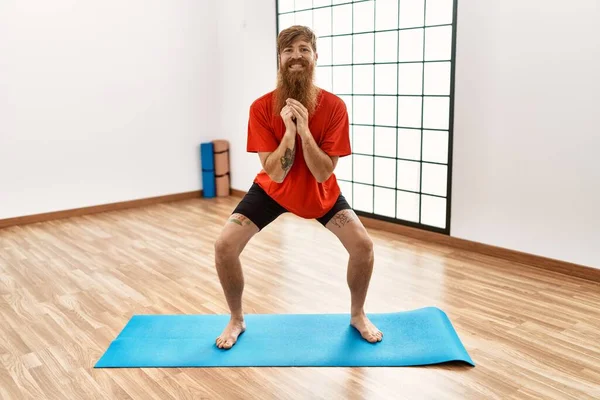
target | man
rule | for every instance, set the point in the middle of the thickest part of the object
(299, 131)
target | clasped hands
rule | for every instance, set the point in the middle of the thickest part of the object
(295, 117)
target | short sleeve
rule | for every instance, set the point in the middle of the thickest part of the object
(260, 134)
(336, 138)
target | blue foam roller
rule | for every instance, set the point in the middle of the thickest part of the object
(207, 159)
(417, 337)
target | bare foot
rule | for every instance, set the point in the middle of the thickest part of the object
(367, 330)
(229, 336)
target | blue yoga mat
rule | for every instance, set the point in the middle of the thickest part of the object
(418, 337)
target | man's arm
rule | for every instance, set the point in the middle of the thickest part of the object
(278, 163)
(320, 164)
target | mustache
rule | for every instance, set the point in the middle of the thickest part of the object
(300, 61)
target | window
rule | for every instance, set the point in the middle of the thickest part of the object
(392, 62)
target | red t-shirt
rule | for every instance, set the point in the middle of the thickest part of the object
(300, 193)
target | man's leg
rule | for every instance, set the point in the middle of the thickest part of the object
(235, 235)
(254, 212)
(355, 238)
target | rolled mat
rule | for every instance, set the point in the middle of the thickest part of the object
(208, 169)
(222, 175)
(417, 337)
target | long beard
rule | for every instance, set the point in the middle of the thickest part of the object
(297, 85)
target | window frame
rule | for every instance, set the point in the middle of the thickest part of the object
(448, 196)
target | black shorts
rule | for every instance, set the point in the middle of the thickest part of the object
(261, 209)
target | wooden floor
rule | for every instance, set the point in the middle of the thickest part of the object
(68, 287)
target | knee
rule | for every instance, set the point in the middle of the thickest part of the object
(225, 249)
(362, 248)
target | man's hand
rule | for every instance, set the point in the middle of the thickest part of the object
(288, 118)
(320, 164)
(301, 114)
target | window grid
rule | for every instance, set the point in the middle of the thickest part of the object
(374, 111)
(401, 127)
(351, 86)
(412, 28)
(321, 7)
(396, 158)
(382, 62)
(389, 95)
(397, 121)
(394, 188)
(422, 117)
(432, 108)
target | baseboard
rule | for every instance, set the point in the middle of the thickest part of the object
(580, 271)
(30, 219)
(238, 193)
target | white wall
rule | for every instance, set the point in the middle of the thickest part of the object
(103, 101)
(527, 127)
(248, 66)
